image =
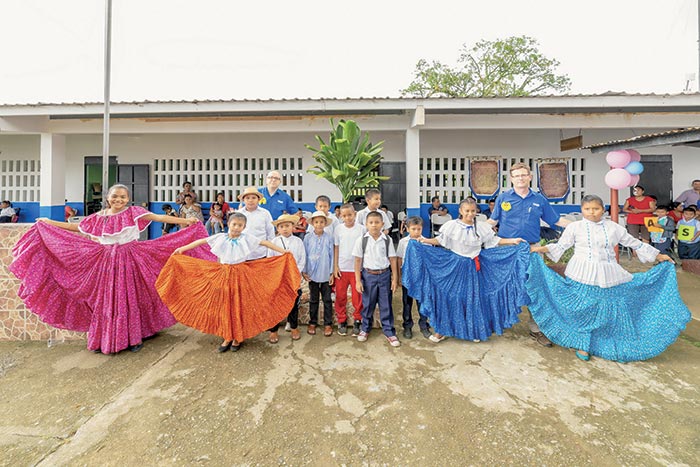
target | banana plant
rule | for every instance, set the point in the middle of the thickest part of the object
(349, 161)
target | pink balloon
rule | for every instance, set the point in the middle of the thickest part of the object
(634, 155)
(634, 179)
(618, 179)
(618, 159)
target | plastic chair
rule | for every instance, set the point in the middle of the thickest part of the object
(436, 221)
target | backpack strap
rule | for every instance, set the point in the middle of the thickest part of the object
(365, 239)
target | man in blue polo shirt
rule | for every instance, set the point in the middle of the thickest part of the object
(277, 201)
(517, 213)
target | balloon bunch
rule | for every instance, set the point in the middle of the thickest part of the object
(625, 168)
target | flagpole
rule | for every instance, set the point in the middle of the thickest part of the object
(107, 82)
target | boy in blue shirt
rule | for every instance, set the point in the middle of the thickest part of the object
(318, 271)
(689, 248)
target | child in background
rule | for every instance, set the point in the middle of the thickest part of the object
(233, 304)
(467, 319)
(376, 277)
(599, 308)
(318, 271)
(662, 240)
(215, 224)
(336, 212)
(169, 211)
(415, 229)
(288, 242)
(689, 248)
(259, 220)
(301, 226)
(6, 212)
(374, 200)
(344, 237)
(323, 204)
(675, 211)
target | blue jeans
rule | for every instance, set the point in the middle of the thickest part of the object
(377, 289)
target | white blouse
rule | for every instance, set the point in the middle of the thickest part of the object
(233, 250)
(594, 262)
(459, 237)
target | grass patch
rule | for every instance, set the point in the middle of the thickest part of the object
(690, 340)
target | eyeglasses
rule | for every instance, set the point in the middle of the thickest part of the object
(520, 176)
(274, 178)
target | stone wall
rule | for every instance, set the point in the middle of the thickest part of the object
(16, 322)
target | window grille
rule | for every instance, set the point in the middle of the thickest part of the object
(228, 174)
(20, 180)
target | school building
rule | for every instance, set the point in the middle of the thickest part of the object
(447, 147)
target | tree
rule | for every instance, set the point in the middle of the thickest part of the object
(349, 160)
(505, 67)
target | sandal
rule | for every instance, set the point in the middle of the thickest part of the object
(311, 330)
(274, 338)
(328, 331)
(582, 356)
(296, 335)
(437, 338)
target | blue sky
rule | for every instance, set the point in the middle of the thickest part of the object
(212, 49)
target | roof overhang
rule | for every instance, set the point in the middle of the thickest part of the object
(677, 137)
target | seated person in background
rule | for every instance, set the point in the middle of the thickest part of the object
(186, 191)
(68, 212)
(487, 212)
(6, 212)
(436, 207)
(169, 211)
(662, 240)
(191, 210)
(689, 245)
(301, 226)
(215, 224)
(675, 211)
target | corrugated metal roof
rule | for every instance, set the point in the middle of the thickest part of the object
(350, 99)
(635, 139)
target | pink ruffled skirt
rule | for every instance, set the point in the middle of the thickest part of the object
(108, 291)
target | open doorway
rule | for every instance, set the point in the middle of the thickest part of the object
(93, 182)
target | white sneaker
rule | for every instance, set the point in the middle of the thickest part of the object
(288, 327)
(434, 338)
(393, 341)
(477, 340)
(362, 336)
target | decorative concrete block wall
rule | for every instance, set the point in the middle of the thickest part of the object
(16, 322)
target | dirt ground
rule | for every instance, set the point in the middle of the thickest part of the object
(336, 401)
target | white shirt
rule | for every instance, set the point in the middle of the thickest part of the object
(7, 212)
(344, 238)
(362, 216)
(375, 256)
(330, 228)
(233, 251)
(594, 262)
(459, 237)
(293, 244)
(259, 225)
(401, 249)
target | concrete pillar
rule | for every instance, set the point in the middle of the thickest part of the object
(413, 166)
(52, 193)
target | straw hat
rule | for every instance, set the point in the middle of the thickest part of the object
(329, 221)
(286, 218)
(251, 190)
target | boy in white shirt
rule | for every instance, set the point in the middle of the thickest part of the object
(286, 240)
(344, 237)
(6, 212)
(414, 225)
(376, 277)
(323, 204)
(374, 200)
(259, 220)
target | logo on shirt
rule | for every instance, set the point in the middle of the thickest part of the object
(263, 200)
(505, 205)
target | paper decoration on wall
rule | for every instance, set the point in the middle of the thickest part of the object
(686, 232)
(484, 178)
(553, 179)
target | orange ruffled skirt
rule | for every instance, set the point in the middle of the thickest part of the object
(234, 301)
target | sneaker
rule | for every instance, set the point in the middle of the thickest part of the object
(356, 328)
(288, 327)
(343, 329)
(437, 338)
(408, 333)
(362, 336)
(476, 340)
(393, 341)
(426, 333)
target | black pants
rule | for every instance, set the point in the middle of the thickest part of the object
(407, 316)
(5, 219)
(322, 289)
(293, 316)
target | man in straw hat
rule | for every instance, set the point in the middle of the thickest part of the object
(318, 272)
(259, 220)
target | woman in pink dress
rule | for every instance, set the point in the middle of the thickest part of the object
(96, 277)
